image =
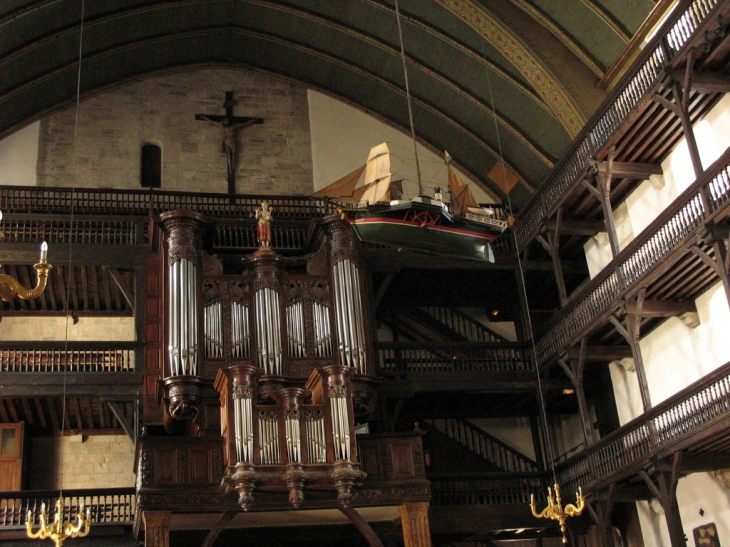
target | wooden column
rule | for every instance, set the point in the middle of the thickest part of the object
(156, 528)
(414, 520)
(631, 332)
(600, 511)
(602, 192)
(665, 490)
(552, 246)
(574, 371)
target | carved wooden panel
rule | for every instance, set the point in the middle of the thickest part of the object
(154, 339)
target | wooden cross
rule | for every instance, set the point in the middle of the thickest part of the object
(230, 125)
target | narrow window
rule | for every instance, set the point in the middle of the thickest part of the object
(151, 166)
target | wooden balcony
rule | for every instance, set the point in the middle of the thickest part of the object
(629, 119)
(657, 259)
(456, 366)
(112, 509)
(693, 424)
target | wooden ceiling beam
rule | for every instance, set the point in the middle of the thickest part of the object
(662, 308)
(629, 170)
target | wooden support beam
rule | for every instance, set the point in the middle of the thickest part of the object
(123, 287)
(112, 255)
(122, 419)
(383, 289)
(577, 227)
(362, 526)
(607, 353)
(662, 308)
(218, 528)
(627, 170)
(704, 82)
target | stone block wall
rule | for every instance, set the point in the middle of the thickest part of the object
(272, 158)
(94, 461)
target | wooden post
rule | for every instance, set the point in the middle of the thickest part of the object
(156, 528)
(631, 333)
(414, 520)
(552, 246)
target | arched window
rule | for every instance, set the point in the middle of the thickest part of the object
(151, 166)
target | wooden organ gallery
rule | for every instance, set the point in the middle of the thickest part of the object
(287, 345)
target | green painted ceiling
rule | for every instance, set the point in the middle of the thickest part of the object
(531, 64)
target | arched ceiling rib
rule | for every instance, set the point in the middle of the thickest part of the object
(483, 86)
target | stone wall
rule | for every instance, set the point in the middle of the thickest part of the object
(93, 329)
(95, 461)
(272, 158)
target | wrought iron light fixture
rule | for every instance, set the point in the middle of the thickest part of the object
(555, 509)
(11, 287)
(58, 530)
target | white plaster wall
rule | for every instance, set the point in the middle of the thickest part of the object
(342, 136)
(19, 157)
(90, 329)
(699, 491)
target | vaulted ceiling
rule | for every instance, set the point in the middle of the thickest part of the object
(490, 79)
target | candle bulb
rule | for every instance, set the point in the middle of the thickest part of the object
(44, 252)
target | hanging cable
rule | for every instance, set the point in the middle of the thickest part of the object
(520, 266)
(408, 97)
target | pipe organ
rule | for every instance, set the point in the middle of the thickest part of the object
(287, 343)
(292, 438)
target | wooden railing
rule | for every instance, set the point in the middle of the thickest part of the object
(701, 405)
(484, 445)
(462, 324)
(696, 206)
(106, 229)
(646, 73)
(455, 356)
(108, 505)
(72, 357)
(285, 236)
(485, 488)
(89, 201)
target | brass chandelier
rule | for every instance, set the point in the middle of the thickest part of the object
(58, 530)
(11, 287)
(555, 509)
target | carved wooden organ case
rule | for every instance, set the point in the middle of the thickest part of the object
(289, 344)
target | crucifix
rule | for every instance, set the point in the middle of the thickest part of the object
(230, 125)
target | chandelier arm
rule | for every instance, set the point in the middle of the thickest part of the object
(10, 287)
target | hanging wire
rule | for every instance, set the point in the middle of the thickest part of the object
(71, 228)
(408, 96)
(543, 411)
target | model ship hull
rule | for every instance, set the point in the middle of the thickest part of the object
(426, 228)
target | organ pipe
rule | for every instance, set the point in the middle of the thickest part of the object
(183, 306)
(349, 315)
(268, 330)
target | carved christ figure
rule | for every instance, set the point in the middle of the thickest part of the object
(264, 216)
(230, 130)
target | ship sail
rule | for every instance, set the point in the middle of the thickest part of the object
(377, 175)
(367, 184)
(462, 198)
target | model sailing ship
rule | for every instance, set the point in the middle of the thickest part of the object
(373, 204)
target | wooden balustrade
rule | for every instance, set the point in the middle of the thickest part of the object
(107, 229)
(702, 404)
(32, 199)
(454, 356)
(71, 357)
(650, 249)
(108, 505)
(647, 73)
(284, 236)
(486, 488)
